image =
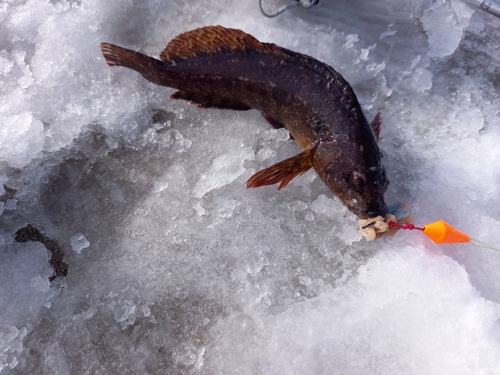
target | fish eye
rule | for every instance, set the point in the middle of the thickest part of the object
(357, 181)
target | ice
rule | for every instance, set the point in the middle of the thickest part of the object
(431, 332)
(79, 242)
(125, 315)
(387, 33)
(325, 206)
(350, 40)
(189, 272)
(5, 64)
(24, 292)
(22, 139)
(224, 170)
(11, 344)
(444, 23)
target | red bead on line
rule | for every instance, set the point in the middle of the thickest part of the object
(403, 226)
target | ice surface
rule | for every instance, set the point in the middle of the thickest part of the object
(24, 291)
(190, 273)
(411, 327)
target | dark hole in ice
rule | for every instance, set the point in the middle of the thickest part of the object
(31, 233)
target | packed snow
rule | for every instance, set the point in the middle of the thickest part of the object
(176, 268)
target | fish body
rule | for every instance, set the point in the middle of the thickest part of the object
(215, 67)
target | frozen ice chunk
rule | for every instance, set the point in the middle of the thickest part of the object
(375, 68)
(351, 39)
(420, 80)
(265, 153)
(11, 204)
(190, 355)
(21, 138)
(365, 52)
(444, 24)
(224, 170)
(11, 345)
(24, 272)
(387, 33)
(325, 206)
(5, 64)
(348, 233)
(159, 186)
(146, 310)
(79, 242)
(125, 314)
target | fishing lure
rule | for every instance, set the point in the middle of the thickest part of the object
(443, 233)
(440, 232)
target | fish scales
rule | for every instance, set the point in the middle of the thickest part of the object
(265, 84)
(215, 67)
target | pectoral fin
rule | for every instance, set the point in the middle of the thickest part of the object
(284, 171)
(376, 125)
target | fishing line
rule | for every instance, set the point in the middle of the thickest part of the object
(304, 3)
(492, 7)
(482, 245)
(310, 3)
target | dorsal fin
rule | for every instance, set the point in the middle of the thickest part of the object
(210, 40)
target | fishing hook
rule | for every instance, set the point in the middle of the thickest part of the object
(305, 3)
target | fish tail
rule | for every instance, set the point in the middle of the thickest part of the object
(118, 56)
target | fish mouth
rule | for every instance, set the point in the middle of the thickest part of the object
(373, 214)
(381, 210)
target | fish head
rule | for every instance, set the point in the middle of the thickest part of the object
(355, 175)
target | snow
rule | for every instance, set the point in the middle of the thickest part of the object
(175, 267)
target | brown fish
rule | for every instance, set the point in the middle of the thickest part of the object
(215, 67)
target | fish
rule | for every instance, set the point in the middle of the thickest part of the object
(222, 68)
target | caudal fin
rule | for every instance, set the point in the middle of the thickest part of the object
(115, 55)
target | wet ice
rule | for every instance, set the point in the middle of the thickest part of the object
(174, 267)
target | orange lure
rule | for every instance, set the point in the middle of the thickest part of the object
(440, 232)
